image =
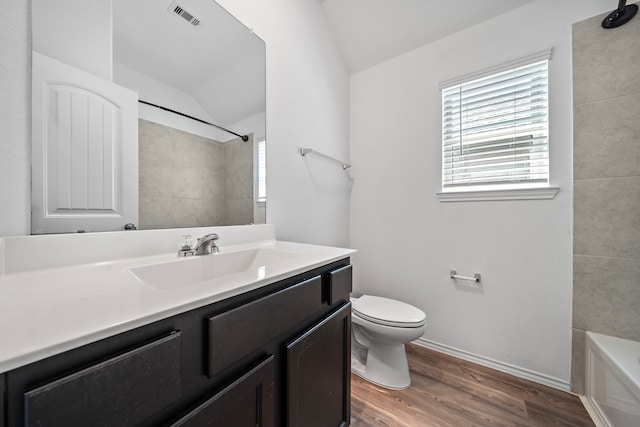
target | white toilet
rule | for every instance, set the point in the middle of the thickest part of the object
(380, 328)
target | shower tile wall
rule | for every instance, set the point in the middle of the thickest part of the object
(183, 179)
(238, 183)
(606, 172)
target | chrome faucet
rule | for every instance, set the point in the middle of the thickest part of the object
(207, 245)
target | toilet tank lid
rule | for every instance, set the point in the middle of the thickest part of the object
(387, 309)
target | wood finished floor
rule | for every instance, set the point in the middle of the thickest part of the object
(447, 391)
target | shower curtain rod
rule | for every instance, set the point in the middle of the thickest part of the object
(245, 138)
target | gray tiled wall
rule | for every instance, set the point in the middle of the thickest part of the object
(238, 184)
(189, 181)
(606, 173)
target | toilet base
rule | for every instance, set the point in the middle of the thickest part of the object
(386, 365)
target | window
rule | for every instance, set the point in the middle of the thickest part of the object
(495, 129)
(262, 172)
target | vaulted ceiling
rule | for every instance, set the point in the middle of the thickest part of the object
(219, 62)
(372, 31)
(367, 32)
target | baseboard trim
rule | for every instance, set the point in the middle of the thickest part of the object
(497, 365)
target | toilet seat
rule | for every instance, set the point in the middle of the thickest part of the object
(388, 312)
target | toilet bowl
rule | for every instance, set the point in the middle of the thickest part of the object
(380, 329)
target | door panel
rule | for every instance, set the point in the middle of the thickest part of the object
(85, 151)
(247, 402)
(319, 373)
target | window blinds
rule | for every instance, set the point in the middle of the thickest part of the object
(495, 129)
(262, 171)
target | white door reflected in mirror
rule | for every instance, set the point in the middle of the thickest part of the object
(84, 151)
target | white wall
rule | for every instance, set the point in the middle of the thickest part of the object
(57, 24)
(307, 106)
(254, 124)
(15, 93)
(15, 114)
(160, 93)
(520, 317)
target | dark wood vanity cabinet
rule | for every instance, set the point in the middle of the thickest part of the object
(126, 389)
(247, 402)
(275, 356)
(318, 394)
(2, 401)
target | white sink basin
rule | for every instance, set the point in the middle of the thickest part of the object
(197, 269)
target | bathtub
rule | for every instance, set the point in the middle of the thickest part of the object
(612, 387)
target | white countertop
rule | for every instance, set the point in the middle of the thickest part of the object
(47, 311)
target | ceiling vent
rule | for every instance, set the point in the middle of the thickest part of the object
(180, 11)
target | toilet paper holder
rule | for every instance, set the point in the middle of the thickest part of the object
(454, 275)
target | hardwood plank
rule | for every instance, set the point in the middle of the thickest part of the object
(447, 391)
(540, 415)
(468, 385)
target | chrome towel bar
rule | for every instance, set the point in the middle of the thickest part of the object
(454, 275)
(305, 151)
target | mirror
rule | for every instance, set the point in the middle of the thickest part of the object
(197, 73)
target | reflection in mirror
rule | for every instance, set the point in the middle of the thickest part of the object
(189, 56)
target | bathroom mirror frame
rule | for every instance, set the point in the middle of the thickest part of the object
(233, 50)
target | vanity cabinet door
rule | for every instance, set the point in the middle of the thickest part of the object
(2, 397)
(318, 373)
(247, 402)
(237, 333)
(121, 391)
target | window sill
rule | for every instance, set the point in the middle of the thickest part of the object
(546, 193)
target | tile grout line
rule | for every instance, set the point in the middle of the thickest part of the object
(607, 257)
(606, 178)
(625, 95)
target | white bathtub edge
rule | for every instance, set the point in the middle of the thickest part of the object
(619, 355)
(596, 415)
(612, 380)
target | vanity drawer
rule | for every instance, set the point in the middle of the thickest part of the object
(340, 284)
(247, 402)
(121, 391)
(236, 333)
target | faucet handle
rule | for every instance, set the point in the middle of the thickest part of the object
(185, 245)
(185, 240)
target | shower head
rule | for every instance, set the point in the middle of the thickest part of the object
(621, 15)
